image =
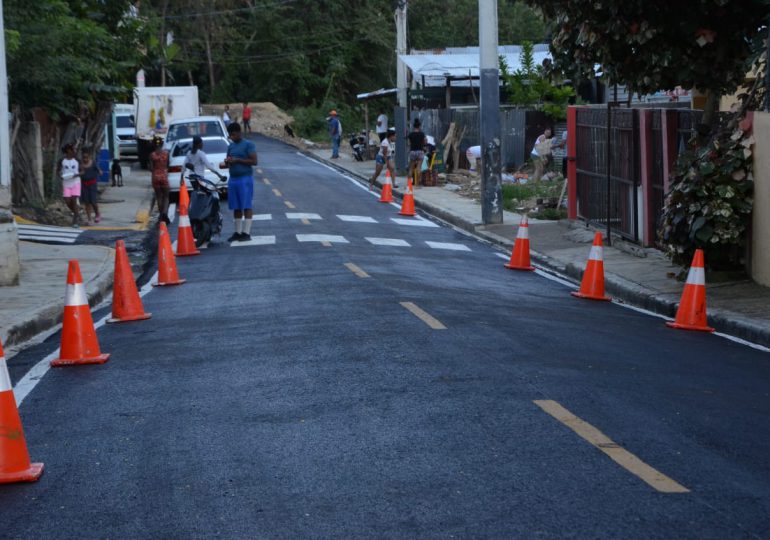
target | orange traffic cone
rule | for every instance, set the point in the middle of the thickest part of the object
(386, 195)
(126, 304)
(79, 344)
(407, 204)
(185, 242)
(592, 286)
(184, 197)
(691, 314)
(520, 254)
(14, 457)
(167, 272)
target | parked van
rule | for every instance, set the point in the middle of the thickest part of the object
(125, 128)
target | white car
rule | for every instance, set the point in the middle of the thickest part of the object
(216, 151)
(185, 128)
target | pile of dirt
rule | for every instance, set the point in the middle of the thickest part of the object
(266, 118)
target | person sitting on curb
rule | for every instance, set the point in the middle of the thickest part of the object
(385, 158)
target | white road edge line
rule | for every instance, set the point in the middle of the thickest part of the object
(30, 379)
(345, 176)
(541, 272)
(563, 280)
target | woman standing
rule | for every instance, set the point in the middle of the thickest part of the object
(159, 167)
(417, 142)
(69, 172)
(385, 158)
(90, 194)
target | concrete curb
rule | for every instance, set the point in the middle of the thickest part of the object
(619, 288)
(98, 289)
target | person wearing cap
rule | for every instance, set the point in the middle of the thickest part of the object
(335, 132)
(385, 158)
(159, 169)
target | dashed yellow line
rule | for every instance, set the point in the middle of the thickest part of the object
(424, 316)
(267, 182)
(616, 453)
(259, 171)
(305, 221)
(326, 243)
(277, 193)
(356, 270)
(288, 204)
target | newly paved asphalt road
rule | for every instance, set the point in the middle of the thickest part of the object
(279, 394)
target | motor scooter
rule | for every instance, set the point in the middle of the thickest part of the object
(205, 216)
(358, 145)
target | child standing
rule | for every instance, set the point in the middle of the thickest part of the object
(69, 172)
(89, 175)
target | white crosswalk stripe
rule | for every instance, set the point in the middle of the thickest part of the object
(414, 222)
(262, 217)
(48, 234)
(357, 219)
(388, 242)
(447, 245)
(255, 241)
(334, 239)
(300, 215)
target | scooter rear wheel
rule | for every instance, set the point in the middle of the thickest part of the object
(202, 232)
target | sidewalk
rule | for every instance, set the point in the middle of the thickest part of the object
(639, 276)
(37, 303)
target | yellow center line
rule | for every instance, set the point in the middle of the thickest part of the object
(288, 204)
(356, 270)
(305, 221)
(267, 182)
(423, 316)
(277, 193)
(326, 243)
(616, 453)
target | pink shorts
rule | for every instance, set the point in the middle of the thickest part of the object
(72, 191)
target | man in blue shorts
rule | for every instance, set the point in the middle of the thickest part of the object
(241, 157)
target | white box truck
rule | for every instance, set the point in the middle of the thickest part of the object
(155, 107)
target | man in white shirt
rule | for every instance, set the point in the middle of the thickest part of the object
(382, 125)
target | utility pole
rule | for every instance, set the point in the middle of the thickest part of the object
(9, 239)
(491, 185)
(401, 49)
(400, 116)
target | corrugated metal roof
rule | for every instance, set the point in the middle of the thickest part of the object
(436, 65)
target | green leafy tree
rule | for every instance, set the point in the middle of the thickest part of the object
(437, 24)
(653, 45)
(529, 86)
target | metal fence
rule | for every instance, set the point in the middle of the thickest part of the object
(621, 208)
(518, 129)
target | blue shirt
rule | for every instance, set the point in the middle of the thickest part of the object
(334, 127)
(241, 150)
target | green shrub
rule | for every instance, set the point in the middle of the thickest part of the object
(710, 201)
(310, 122)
